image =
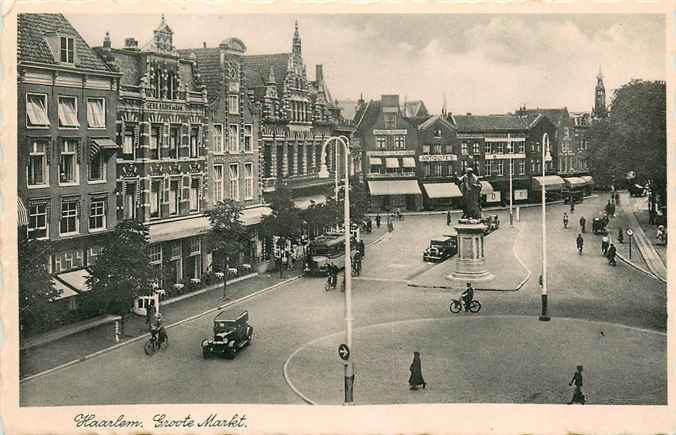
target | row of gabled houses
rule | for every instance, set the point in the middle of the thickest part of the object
(158, 134)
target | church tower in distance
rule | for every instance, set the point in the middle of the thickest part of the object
(600, 97)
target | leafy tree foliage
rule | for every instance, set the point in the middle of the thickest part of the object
(285, 220)
(633, 137)
(36, 289)
(359, 201)
(227, 233)
(123, 271)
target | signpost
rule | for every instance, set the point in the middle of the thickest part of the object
(344, 352)
(630, 233)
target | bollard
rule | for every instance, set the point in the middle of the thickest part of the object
(349, 383)
(117, 331)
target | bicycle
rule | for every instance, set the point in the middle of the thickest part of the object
(159, 341)
(330, 284)
(458, 304)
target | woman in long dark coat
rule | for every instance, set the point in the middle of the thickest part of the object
(416, 378)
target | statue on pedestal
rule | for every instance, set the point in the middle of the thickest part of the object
(470, 186)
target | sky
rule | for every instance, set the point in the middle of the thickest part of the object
(481, 63)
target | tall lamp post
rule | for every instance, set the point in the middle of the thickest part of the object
(511, 171)
(324, 173)
(545, 147)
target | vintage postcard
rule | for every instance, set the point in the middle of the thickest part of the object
(336, 218)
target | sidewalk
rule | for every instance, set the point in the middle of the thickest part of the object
(67, 348)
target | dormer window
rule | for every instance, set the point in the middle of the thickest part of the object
(67, 49)
(390, 120)
(437, 133)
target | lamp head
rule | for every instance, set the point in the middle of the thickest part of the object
(323, 171)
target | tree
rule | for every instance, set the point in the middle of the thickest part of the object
(36, 288)
(227, 234)
(359, 201)
(633, 138)
(285, 220)
(123, 271)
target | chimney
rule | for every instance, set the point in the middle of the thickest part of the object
(204, 44)
(131, 43)
(390, 101)
(469, 113)
(319, 73)
(107, 45)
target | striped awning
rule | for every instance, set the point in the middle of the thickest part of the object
(375, 161)
(408, 162)
(22, 213)
(98, 144)
(486, 187)
(391, 163)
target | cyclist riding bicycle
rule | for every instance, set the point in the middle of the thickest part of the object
(156, 328)
(333, 275)
(468, 296)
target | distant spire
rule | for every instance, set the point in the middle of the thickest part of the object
(106, 41)
(443, 108)
(296, 45)
(600, 75)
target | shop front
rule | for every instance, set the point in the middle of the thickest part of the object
(574, 189)
(442, 196)
(589, 184)
(553, 185)
(392, 194)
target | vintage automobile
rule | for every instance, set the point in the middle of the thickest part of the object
(441, 249)
(492, 223)
(231, 334)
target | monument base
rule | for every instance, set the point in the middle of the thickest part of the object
(470, 263)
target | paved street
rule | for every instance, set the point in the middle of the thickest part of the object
(392, 318)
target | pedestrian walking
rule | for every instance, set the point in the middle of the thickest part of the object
(448, 218)
(612, 210)
(580, 243)
(362, 248)
(377, 220)
(583, 222)
(617, 198)
(578, 395)
(605, 243)
(612, 252)
(285, 262)
(416, 378)
(620, 235)
(572, 206)
(607, 208)
(565, 220)
(390, 225)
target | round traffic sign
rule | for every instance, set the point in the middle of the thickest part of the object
(344, 352)
(630, 232)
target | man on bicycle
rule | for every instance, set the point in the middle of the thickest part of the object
(155, 326)
(468, 296)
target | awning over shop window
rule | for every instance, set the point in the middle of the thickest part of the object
(66, 292)
(304, 202)
(22, 213)
(573, 182)
(253, 216)
(179, 229)
(551, 182)
(409, 162)
(588, 179)
(375, 161)
(394, 187)
(442, 190)
(391, 163)
(486, 188)
(98, 144)
(74, 281)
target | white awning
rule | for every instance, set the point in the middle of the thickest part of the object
(179, 229)
(304, 202)
(575, 182)
(391, 162)
(442, 190)
(375, 161)
(69, 282)
(253, 216)
(394, 187)
(551, 182)
(408, 162)
(486, 187)
(66, 292)
(588, 179)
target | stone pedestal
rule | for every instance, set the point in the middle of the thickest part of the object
(470, 262)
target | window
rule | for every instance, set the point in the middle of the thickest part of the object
(155, 194)
(248, 181)
(37, 164)
(522, 147)
(68, 112)
(128, 144)
(248, 138)
(68, 165)
(93, 254)
(36, 110)
(195, 194)
(463, 149)
(381, 142)
(195, 246)
(218, 183)
(500, 148)
(436, 169)
(69, 217)
(217, 134)
(463, 165)
(67, 50)
(130, 201)
(234, 182)
(437, 133)
(96, 112)
(174, 140)
(174, 197)
(390, 120)
(487, 167)
(155, 138)
(497, 168)
(400, 141)
(425, 149)
(155, 254)
(522, 167)
(38, 221)
(97, 168)
(233, 104)
(487, 148)
(194, 142)
(233, 138)
(176, 250)
(449, 149)
(476, 149)
(427, 169)
(97, 214)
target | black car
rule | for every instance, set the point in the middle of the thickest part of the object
(231, 334)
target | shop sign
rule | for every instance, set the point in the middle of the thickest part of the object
(390, 132)
(520, 194)
(505, 156)
(437, 158)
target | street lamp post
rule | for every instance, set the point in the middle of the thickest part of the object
(511, 171)
(544, 316)
(324, 173)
